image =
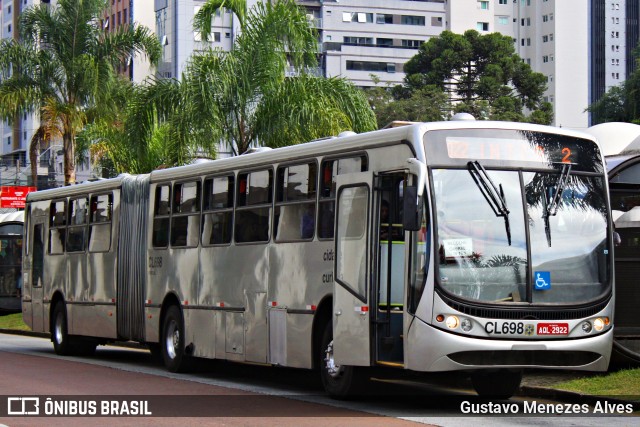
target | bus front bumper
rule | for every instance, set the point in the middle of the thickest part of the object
(430, 349)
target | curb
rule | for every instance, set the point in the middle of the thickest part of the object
(25, 333)
(573, 397)
(125, 344)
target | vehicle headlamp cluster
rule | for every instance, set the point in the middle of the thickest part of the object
(455, 322)
(598, 324)
(465, 324)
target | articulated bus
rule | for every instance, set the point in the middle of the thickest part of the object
(620, 144)
(11, 231)
(481, 247)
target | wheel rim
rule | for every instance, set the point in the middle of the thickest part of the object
(58, 332)
(330, 365)
(172, 339)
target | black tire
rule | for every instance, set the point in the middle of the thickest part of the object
(172, 341)
(497, 384)
(83, 346)
(65, 344)
(156, 352)
(59, 336)
(340, 382)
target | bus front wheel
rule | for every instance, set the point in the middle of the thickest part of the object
(497, 384)
(339, 381)
(172, 340)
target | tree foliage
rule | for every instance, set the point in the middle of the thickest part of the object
(427, 104)
(481, 75)
(64, 68)
(620, 103)
(261, 92)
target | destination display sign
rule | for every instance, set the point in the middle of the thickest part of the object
(506, 149)
(511, 148)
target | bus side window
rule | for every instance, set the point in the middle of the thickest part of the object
(185, 220)
(295, 213)
(77, 225)
(161, 214)
(253, 211)
(57, 227)
(329, 169)
(217, 210)
(100, 223)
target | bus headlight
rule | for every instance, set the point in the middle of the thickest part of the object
(586, 327)
(598, 324)
(452, 322)
(466, 324)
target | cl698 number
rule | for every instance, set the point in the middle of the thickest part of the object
(504, 328)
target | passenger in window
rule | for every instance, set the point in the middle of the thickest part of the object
(308, 222)
(327, 218)
(617, 240)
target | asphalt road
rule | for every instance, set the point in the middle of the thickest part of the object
(219, 393)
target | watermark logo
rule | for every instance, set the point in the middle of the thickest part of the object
(23, 406)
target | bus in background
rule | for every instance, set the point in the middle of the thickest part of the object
(620, 143)
(481, 247)
(11, 225)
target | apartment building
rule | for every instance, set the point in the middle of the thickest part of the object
(174, 27)
(614, 36)
(127, 12)
(360, 38)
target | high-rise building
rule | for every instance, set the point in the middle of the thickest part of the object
(360, 38)
(126, 12)
(174, 27)
(614, 36)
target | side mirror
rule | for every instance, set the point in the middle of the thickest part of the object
(411, 209)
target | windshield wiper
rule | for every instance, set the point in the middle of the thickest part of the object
(551, 208)
(492, 195)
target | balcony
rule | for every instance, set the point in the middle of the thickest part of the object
(315, 71)
(337, 46)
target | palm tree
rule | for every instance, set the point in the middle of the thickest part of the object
(145, 132)
(245, 96)
(63, 67)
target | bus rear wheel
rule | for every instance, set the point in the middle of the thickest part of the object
(172, 341)
(59, 335)
(497, 384)
(63, 343)
(340, 382)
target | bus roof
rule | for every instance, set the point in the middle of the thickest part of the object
(349, 143)
(325, 147)
(17, 216)
(71, 190)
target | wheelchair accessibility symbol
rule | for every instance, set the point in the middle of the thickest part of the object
(543, 280)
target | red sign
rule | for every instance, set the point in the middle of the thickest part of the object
(553, 329)
(14, 197)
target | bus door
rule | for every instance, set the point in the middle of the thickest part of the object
(37, 246)
(351, 321)
(388, 295)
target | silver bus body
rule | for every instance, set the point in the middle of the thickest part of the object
(268, 298)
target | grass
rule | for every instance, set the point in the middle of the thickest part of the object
(621, 383)
(13, 321)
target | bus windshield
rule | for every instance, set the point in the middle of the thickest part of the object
(517, 233)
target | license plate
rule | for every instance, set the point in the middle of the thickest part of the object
(553, 328)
